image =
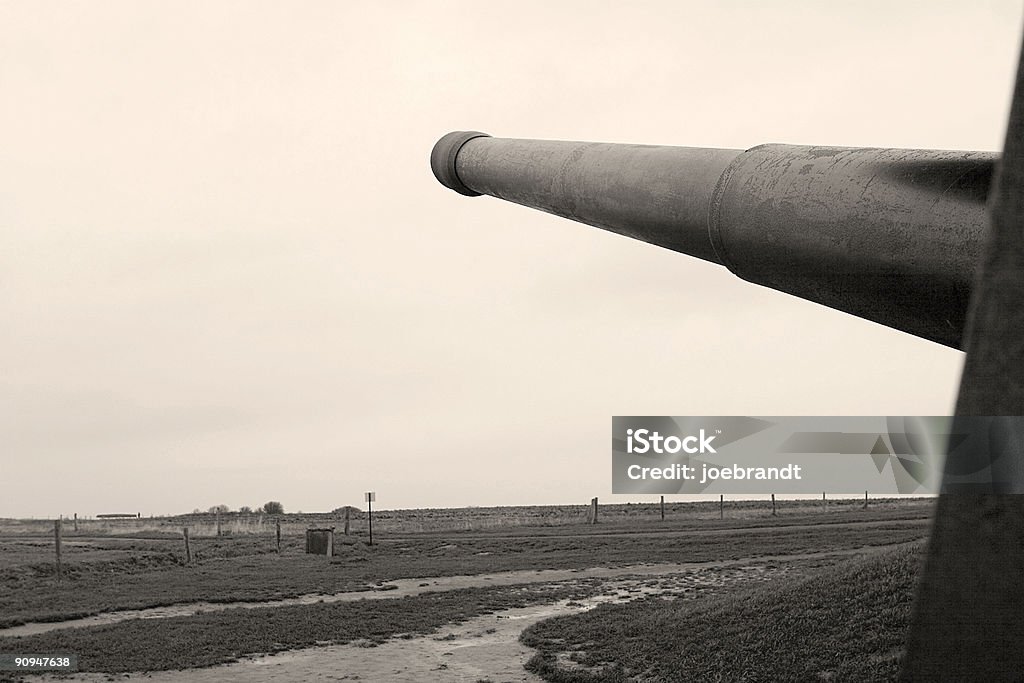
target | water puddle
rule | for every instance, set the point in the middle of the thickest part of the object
(386, 590)
(405, 587)
(483, 648)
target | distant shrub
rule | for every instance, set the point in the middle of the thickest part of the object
(273, 508)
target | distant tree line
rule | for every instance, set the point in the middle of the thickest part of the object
(272, 507)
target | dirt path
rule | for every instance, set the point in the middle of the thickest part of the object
(652, 533)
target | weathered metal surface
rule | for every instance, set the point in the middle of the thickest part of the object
(888, 235)
(891, 235)
(969, 613)
(656, 194)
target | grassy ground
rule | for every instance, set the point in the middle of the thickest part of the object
(223, 636)
(245, 569)
(444, 520)
(838, 625)
(217, 637)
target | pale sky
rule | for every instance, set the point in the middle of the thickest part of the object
(227, 274)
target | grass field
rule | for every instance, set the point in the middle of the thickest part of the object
(416, 521)
(139, 569)
(845, 625)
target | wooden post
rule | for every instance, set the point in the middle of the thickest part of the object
(347, 511)
(593, 510)
(721, 506)
(218, 523)
(865, 500)
(277, 527)
(76, 521)
(824, 504)
(663, 508)
(369, 503)
(188, 548)
(56, 538)
(773, 505)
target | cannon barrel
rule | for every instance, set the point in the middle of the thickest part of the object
(890, 235)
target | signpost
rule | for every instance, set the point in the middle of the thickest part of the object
(370, 497)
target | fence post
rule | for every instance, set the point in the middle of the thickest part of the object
(76, 521)
(721, 506)
(218, 523)
(347, 511)
(188, 548)
(593, 510)
(824, 503)
(277, 527)
(865, 500)
(773, 505)
(330, 544)
(663, 508)
(56, 538)
(369, 513)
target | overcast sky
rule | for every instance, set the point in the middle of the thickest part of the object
(227, 274)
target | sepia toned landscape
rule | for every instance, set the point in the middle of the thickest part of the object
(477, 594)
(304, 252)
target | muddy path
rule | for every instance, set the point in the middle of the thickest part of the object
(484, 648)
(416, 586)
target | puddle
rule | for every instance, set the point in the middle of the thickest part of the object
(417, 586)
(386, 590)
(482, 648)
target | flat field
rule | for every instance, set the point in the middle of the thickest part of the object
(452, 590)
